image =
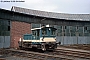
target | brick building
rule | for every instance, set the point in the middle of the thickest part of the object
(17, 31)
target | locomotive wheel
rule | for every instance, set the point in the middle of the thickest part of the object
(20, 47)
(43, 48)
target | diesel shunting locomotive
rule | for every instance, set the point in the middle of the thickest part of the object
(42, 38)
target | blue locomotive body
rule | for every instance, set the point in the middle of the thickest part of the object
(42, 38)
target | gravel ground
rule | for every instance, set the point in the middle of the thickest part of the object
(14, 58)
(24, 58)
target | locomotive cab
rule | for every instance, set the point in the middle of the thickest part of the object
(48, 38)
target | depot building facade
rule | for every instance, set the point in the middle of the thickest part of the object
(12, 31)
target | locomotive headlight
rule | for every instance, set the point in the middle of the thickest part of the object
(42, 38)
(55, 38)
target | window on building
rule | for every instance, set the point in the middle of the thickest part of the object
(64, 27)
(8, 22)
(85, 28)
(67, 34)
(77, 27)
(73, 34)
(8, 28)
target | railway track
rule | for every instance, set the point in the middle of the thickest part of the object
(32, 55)
(72, 53)
(58, 54)
(78, 46)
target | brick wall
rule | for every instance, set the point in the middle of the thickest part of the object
(17, 31)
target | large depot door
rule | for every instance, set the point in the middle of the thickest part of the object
(4, 41)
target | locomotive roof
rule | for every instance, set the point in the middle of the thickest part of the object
(43, 28)
(36, 29)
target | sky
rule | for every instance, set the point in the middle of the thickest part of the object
(58, 6)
